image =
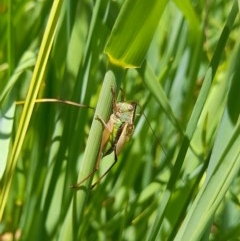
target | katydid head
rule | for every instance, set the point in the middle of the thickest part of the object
(125, 111)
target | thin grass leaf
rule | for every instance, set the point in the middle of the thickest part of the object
(38, 74)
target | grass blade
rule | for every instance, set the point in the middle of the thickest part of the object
(38, 74)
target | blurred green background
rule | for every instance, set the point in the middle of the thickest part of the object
(178, 176)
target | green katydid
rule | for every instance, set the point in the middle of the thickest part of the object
(117, 131)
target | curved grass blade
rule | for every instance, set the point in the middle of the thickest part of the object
(134, 30)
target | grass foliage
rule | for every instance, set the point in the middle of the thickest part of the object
(178, 176)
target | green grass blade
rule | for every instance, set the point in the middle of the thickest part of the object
(157, 91)
(215, 186)
(38, 75)
(134, 30)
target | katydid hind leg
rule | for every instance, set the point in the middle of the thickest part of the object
(107, 171)
(75, 186)
(108, 128)
(91, 173)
